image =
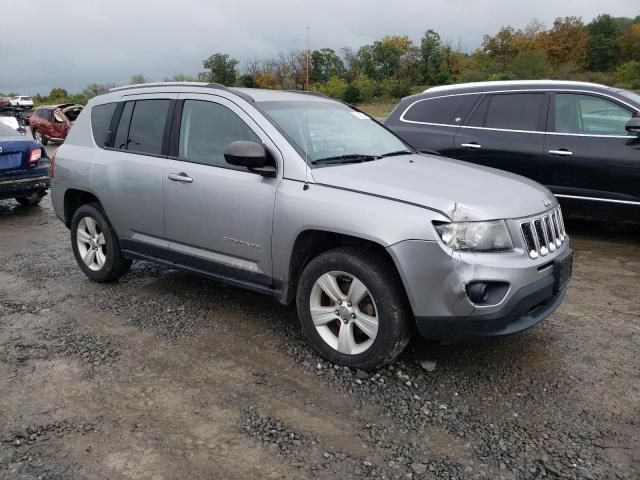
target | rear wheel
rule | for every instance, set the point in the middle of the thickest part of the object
(96, 245)
(353, 309)
(30, 200)
(39, 137)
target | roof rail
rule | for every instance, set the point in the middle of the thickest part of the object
(219, 86)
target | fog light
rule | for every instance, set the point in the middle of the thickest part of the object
(487, 293)
(478, 292)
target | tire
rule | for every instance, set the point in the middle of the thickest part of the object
(40, 137)
(385, 302)
(107, 263)
(30, 200)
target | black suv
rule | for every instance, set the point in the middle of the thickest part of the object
(581, 140)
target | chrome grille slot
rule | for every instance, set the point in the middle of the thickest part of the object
(543, 234)
(551, 236)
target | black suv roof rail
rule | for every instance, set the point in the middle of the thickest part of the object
(218, 86)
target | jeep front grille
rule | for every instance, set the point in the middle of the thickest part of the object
(544, 234)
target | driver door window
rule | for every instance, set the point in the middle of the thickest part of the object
(589, 115)
(206, 128)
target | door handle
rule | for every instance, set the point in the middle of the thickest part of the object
(180, 177)
(561, 152)
(471, 145)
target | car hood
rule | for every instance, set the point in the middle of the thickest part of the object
(461, 190)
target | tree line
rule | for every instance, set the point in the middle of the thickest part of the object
(605, 50)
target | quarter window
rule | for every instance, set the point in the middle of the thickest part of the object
(100, 122)
(590, 115)
(206, 128)
(443, 110)
(513, 111)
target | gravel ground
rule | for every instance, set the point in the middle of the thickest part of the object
(165, 375)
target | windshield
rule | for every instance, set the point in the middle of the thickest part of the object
(630, 95)
(331, 132)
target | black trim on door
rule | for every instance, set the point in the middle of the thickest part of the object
(216, 271)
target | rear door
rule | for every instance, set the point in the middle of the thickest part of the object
(505, 131)
(591, 153)
(127, 175)
(218, 217)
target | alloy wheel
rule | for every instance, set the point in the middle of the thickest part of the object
(344, 312)
(91, 243)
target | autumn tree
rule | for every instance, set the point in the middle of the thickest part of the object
(58, 94)
(630, 43)
(567, 41)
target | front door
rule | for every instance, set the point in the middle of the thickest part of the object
(505, 131)
(218, 217)
(591, 153)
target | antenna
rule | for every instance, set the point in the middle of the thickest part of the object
(306, 128)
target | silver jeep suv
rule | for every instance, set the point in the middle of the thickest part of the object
(305, 198)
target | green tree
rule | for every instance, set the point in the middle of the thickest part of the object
(325, 63)
(368, 88)
(365, 62)
(137, 79)
(335, 87)
(603, 47)
(352, 94)
(96, 89)
(387, 54)
(628, 75)
(430, 57)
(221, 68)
(180, 77)
(531, 65)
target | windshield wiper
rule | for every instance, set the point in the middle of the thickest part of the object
(396, 153)
(351, 158)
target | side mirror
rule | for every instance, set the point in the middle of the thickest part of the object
(250, 155)
(633, 126)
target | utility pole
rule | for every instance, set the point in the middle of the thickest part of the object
(307, 87)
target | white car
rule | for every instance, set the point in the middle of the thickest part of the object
(21, 101)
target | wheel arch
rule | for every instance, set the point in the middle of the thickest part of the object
(311, 243)
(74, 199)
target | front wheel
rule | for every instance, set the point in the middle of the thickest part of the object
(96, 246)
(353, 309)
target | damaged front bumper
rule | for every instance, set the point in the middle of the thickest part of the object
(437, 284)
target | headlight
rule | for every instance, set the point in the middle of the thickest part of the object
(476, 236)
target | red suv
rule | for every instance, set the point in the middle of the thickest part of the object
(53, 122)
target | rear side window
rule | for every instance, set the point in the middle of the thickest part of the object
(100, 122)
(45, 113)
(515, 111)
(206, 128)
(147, 126)
(141, 126)
(444, 110)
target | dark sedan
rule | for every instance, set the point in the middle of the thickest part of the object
(24, 168)
(581, 140)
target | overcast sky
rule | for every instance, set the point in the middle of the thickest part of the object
(71, 43)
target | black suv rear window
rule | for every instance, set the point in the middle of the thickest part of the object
(444, 110)
(100, 122)
(512, 111)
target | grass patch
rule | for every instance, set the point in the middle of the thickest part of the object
(378, 110)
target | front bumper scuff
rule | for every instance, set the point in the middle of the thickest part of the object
(435, 282)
